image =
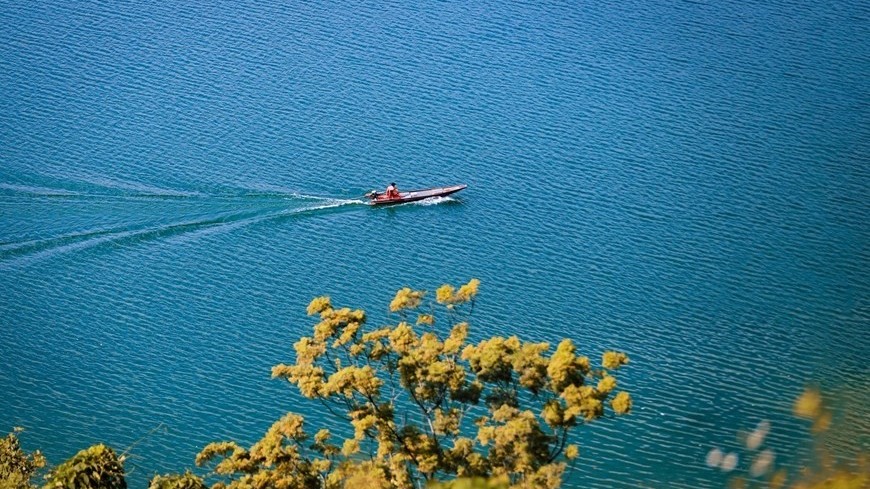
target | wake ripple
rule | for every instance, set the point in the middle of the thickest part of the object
(17, 192)
(424, 202)
(434, 201)
(14, 253)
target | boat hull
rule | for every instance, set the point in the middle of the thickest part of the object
(416, 195)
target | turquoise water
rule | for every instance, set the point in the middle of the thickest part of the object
(687, 182)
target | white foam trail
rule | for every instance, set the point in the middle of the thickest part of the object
(333, 203)
(42, 191)
(433, 201)
(170, 232)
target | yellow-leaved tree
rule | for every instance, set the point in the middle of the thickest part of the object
(17, 467)
(423, 403)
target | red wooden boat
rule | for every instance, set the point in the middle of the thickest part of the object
(376, 198)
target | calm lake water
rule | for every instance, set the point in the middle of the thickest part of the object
(688, 182)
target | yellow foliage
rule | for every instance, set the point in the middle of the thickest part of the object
(403, 338)
(290, 426)
(472, 483)
(17, 467)
(836, 479)
(531, 365)
(449, 296)
(385, 446)
(553, 413)
(400, 473)
(350, 447)
(324, 330)
(308, 378)
(350, 380)
(348, 334)
(516, 442)
(95, 467)
(822, 422)
(468, 291)
(406, 298)
(777, 480)
(308, 350)
(366, 475)
(490, 360)
(318, 305)
(430, 347)
(809, 404)
(322, 436)
(456, 339)
(505, 413)
(572, 452)
(214, 449)
(174, 481)
(621, 404)
(427, 319)
(321, 465)
(367, 373)
(444, 294)
(271, 449)
(468, 393)
(606, 384)
(376, 335)
(547, 477)
(614, 359)
(334, 321)
(462, 447)
(485, 434)
(565, 368)
(581, 400)
(361, 424)
(443, 373)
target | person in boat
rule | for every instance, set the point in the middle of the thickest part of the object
(392, 191)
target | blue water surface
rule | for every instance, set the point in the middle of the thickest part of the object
(688, 182)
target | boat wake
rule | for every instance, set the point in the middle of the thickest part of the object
(433, 201)
(16, 253)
